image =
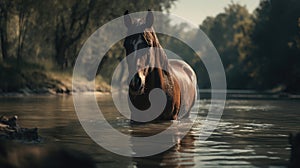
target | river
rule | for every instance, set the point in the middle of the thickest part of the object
(251, 133)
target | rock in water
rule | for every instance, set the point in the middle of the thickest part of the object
(9, 129)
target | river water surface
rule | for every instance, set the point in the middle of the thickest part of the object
(251, 133)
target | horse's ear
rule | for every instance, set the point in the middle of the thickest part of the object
(127, 19)
(149, 19)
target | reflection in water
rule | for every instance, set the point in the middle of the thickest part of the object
(16, 155)
(251, 133)
(180, 155)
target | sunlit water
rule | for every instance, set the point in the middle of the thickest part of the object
(251, 133)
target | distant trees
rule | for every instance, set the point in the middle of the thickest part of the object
(230, 33)
(53, 31)
(276, 57)
(14, 24)
(4, 6)
(43, 35)
(71, 22)
(260, 50)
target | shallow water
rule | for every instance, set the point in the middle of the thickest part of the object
(251, 133)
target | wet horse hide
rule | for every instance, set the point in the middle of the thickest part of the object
(152, 69)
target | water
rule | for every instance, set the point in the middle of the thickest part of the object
(251, 133)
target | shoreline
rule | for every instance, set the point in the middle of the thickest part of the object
(48, 92)
(251, 95)
(203, 94)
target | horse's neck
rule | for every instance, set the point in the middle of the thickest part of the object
(161, 70)
(161, 60)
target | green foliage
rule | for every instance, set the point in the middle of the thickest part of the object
(230, 33)
(260, 50)
(276, 34)
(34, 30)
(51, 33)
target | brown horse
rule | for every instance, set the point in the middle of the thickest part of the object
(175, 77)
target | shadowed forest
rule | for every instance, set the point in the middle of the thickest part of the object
(40, 40)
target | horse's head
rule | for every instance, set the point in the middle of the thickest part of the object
(138, 50)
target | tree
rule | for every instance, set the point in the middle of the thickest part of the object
(75, 20)
(4, 6)
(71, 22)
(275, 35)
(14, 23)
(230, 33)
(23, 11)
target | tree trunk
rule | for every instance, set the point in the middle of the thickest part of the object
(67, 34)
(23, 21)
(4, 44)
(60, 55)
(3, 31)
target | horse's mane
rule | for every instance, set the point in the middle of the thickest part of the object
(151, 38)
(160, 55)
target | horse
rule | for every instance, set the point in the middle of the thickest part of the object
(174, 77)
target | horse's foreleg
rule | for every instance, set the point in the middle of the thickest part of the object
(176, 100)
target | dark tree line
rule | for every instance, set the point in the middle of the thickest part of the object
(277, 39)
(46, 30)
(40, 40)
(259, 50)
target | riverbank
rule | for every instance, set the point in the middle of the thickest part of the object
(203, 94)
(29, 79)
(33, 79)
(249, 94)
(51, 83)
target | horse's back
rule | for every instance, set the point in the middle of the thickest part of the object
(187, 80)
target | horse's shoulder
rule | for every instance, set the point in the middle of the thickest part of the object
(179, 63)
(179, 66)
